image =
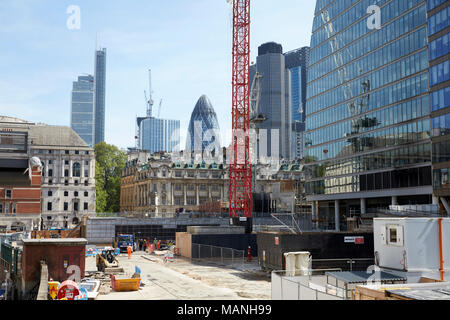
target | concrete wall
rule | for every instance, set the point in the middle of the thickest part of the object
(184, 244)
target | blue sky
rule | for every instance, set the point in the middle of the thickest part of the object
(186, 43)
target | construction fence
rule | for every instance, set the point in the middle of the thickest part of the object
(207, 253)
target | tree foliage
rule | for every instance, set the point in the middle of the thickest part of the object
(108, 171)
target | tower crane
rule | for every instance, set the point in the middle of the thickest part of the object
(240, 182)
(159, 108)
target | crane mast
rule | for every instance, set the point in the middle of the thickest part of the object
(240, 188)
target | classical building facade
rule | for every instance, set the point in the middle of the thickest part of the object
(160, 186)
(68, 175)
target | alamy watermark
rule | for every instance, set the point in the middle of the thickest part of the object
(374, 20)
(74, 20)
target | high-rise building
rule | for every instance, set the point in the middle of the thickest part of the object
(297, 63)
(274, 105)
(439, 69)
(82, 115)
(159, 135)
(368, 108)
(203, 132)
(99, 98)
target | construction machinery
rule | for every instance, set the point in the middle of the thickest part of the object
(124, 241)
(107, 260)
(240, 187)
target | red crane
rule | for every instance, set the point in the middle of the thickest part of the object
(240, 165)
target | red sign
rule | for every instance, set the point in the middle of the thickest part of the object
(68, 290)
(277, 241)
(359, 240)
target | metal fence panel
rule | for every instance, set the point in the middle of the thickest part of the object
(276, 286)
(290, 289)
(307, 293)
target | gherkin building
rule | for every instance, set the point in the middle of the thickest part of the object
(203, 134)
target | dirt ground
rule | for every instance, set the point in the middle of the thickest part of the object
(183, 280)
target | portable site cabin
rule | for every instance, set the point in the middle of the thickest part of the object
(418, 246)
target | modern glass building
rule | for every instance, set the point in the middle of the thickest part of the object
(159, 135)
(368, 109)
(82, 108)
(439, 69)
(203, 132)
(100, 88)
(297, 62)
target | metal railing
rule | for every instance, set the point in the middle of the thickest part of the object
(352, 263)
(202, 252)
(300, 286)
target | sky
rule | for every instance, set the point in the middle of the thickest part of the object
(186, 43)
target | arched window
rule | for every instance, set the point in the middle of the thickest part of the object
(76, 170)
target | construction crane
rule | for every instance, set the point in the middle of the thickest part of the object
(149, 101)
(240, 182)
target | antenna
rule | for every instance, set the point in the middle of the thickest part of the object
(150, 100)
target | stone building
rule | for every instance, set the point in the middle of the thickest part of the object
(158, 186)
(68, 175)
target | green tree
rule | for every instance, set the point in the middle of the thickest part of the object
(108, 171)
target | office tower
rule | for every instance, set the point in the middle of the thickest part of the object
(274, 105)
(439, 65)
(159, 135)
(368, 109)
(82, 117)
(99, 98)
(297, 63)
(203, 133)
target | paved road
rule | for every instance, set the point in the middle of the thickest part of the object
(163, 283)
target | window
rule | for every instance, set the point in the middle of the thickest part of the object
(66, 162)
(86, 173)
(50, 193)
(395, 235)
(66, 173)
(66, 152)
(66, 193)
(178, 187)
(86, 163)
(75, 193)
(86, 194)
(49, 206)
(86, 182)
(75, 206)
(50, 172)
(66, 206)
(50, 151)
(50, 161)
(1, 207)
(8, 194)
(66, 182)
(77, 152)
(76, 182)
(86, 152)
(14, 208)
(85, 206)
(76, 170)
(50, 181)
(7, 208)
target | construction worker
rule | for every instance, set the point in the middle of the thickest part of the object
(129, 249)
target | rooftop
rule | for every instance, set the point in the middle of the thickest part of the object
(44, 135)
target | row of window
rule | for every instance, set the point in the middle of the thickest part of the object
(66, 193)
(439, 47)
(339, 23)
(8, 208)
(367, 44)
(402, 23)
(40, 151)
(407, 178)
(406, 133)
(401, 47)
(391, 73)
(440, 126)
(441, 151)
(439, 21)
(440, 73)
(440, 99)
(66, 206)
(441, 179)
(434, 3)
(66, 182)
(387, 96)
(407, 155)
(395, 114)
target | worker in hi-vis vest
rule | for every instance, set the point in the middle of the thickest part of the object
(129, 249)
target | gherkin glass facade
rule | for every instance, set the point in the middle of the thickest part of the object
(203, 132)
(368, 106)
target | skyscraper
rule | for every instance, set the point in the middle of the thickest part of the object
(159, 135)
(203, 132)
(275, 132)
(368, 108)
(99, 98)
(82, 109)
(297, 63)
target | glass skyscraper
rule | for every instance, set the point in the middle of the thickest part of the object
(159, 135)
(368, 108)
(297, 63)
(100, 88)
(203, 131)
(82, 108)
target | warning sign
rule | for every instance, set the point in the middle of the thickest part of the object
(355, 240)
